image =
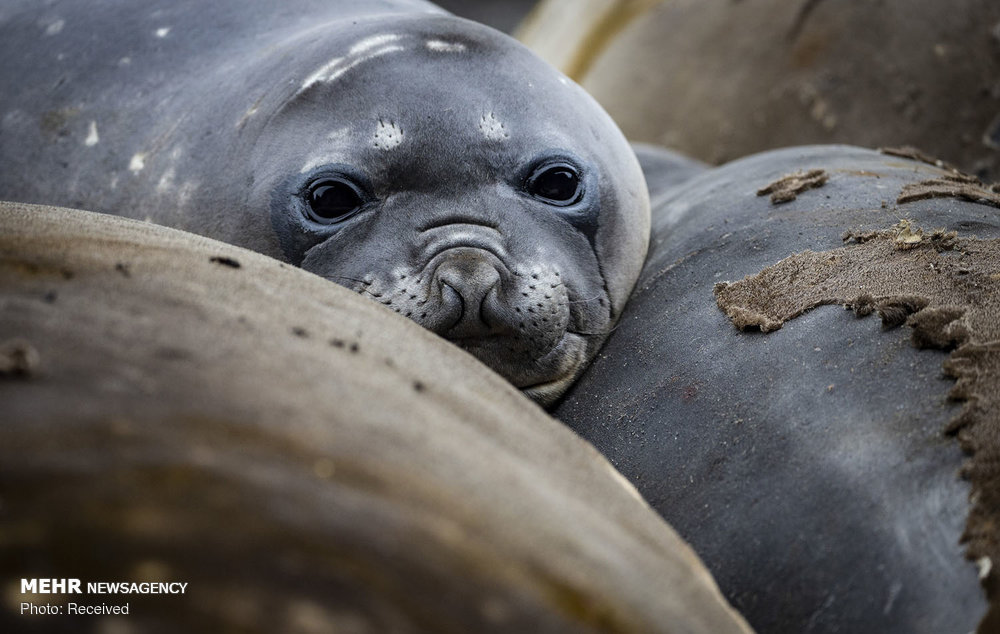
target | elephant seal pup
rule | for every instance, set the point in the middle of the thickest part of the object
(428, 162)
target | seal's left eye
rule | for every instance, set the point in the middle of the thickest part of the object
(555, 184)
(332, 199)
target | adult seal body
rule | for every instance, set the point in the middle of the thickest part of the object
(423, 160)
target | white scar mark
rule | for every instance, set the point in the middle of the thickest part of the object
(162, 32)
(388, 135)
(340, 135)
(187, 189)
(55, 28)
(137, 162)
(322, 73)
(166, 181)
(92, 138)
(323, 159)
(372, 42)
(492, 128)
(365, 50)
(441, 46)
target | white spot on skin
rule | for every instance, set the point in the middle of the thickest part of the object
(985, 565)
(55, 28)
(894, 591)
(114, 182)
(137, 162)
(187, 190)
(166, 181)
(441, 46)
(388, 135)
(162, 32)
(92, 138)
(492, 128)
(339, 135)
(125, 61)
(564, 80)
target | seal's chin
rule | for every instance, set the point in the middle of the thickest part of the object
(543, 379)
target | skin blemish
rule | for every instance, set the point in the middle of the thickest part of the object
(388, 135)
(137, 162)
(441, 46)
(92, 137)
(162, 32)
(492, 128)
(224, 261)
(166, 182)
(55, 27)
(18, 359)
(340, 135)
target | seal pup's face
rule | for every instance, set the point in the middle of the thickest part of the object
(439, 168)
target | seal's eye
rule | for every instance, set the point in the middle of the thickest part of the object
(557, 184)
(332, 199)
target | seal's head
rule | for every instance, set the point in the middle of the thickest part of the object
(440, 168)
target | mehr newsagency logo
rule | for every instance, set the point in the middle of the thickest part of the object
(77, 587)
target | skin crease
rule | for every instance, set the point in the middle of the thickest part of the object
(438, 126)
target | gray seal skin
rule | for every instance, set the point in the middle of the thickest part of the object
(808, 466)
(425, 161)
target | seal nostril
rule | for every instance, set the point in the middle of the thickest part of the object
(452, 295)
(469, 285)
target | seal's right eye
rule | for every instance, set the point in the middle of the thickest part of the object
(330, 200)
(556, 183)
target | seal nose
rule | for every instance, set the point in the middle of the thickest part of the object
(468, 282)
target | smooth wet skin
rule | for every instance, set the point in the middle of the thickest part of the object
(425, 161)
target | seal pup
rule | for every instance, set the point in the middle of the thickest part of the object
(425, 161)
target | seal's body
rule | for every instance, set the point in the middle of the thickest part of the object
(808, 466)
(426, 161)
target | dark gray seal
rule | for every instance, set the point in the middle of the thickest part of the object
(428, 162)
(809, 466)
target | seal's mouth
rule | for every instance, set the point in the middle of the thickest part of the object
(575, 356)
(543, 378)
